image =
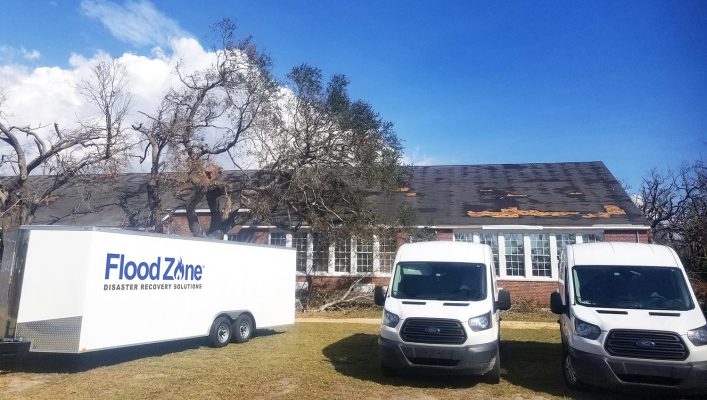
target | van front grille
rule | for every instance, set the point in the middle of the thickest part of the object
(433, 331)
(654, 345)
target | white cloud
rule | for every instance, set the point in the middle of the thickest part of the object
(136, 22)
(416, 157)
(30, 54)
(9, 54)
(44, 95)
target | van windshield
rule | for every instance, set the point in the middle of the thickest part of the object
(655, 288)
(432, 280)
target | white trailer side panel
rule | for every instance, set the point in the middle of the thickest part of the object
(131, 289)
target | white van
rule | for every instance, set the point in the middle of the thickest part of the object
(442, 310)
(629, 318)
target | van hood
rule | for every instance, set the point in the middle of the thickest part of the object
(655, 320)
(457, 310)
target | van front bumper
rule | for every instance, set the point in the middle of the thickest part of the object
(619, 373)
(473, 359)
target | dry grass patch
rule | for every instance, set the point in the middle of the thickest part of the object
(313, 361)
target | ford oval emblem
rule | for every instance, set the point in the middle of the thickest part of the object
(432, 330)
(645, 344)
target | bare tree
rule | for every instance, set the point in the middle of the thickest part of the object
(319, 159)
(206, 117)
(675, 203)
(62, 154)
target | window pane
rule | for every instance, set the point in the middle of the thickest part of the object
(592, 237)
(278, 239)
(515, 257)
(342, 255)
(540, 254)
(320, 253)
(491, 239)
(635, 287)
(564, 239)
(364, 256)
(463, 237)
(386, 253)
(433, 280)
(299, 242)
(243, 236)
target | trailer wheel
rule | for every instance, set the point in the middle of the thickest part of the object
(221, 331)
(243, 328)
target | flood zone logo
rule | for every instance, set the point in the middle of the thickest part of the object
(166, 269)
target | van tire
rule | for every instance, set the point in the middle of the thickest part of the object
(220, 333)
(494, 376)
(568, 373)
(243, 328)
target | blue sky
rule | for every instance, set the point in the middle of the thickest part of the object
(464, 82)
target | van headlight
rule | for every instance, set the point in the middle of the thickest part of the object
(389, 319)
(480, 323)
(698, 336)
(585, 329)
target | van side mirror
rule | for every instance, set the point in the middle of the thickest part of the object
(556, 305)
(379, 293)
(504, 300)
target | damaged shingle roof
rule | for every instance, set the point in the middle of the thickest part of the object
(546, 194)
(549, 194)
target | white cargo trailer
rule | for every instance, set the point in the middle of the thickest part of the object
(80, 289)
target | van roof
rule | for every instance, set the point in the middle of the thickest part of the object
(443, 251)
(613, 253)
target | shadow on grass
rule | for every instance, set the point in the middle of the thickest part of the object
(532, 365)
(73, 363)
(357, 356)
(537, 366)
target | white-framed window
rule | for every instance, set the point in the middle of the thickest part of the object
(592, 237)
(564, 239)
(463, 237)
(278, 239)
(491, 239)
(320, 252)
(515, 254)
(299, 242)
(386, 253)
(242, 236)
(364, 255)
(342, 255)
(540, 254)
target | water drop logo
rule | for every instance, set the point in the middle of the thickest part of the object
(179, 271)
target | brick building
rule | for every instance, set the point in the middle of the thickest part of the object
(526, 212)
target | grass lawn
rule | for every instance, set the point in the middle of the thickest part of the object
(308, 360)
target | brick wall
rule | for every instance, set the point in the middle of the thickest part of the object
(538, 292)
(178, 224)
(626, 236)
(445, 234)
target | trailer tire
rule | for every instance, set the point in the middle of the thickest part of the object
(221, 331)
(243, 328)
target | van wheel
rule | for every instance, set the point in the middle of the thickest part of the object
(568, 371)
(220, 334)
(494, 376)
(243, 328)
